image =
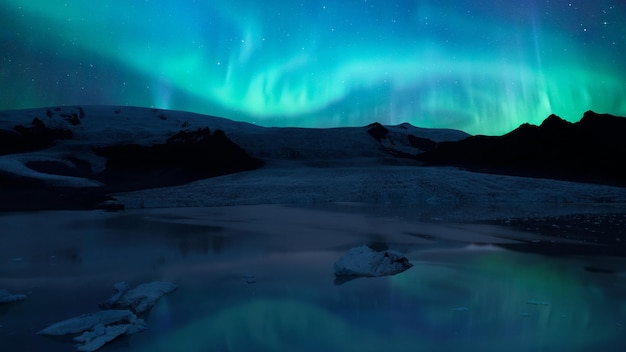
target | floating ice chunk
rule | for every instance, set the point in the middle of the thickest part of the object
(144, 296)
(98, 328)
(537, 303)
(87, 322)
(364, 261)
(120, 288)
(6, 297)
(97, 337)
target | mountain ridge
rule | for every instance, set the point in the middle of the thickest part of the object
(589, 150)
(81, 154)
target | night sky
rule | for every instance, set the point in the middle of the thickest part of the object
(484, 66)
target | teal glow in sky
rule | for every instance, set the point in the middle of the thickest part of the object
(483, 66)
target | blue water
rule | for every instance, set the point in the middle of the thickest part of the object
(261, 279)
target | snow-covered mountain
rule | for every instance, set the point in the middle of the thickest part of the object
(105, 149)
(94, 126)
(78, 157)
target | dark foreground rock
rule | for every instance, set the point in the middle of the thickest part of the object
(591, 150)
(184, 157)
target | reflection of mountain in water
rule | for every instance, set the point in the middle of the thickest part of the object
(188, 238)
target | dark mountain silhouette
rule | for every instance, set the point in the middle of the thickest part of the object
(377, 131)
(184, 157)
(590, 150)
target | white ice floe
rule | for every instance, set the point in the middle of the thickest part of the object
(98, 328)
(87, 322)
(6, 297)
(364, 261)
(100, 334)
(144, 296)
(120, 288)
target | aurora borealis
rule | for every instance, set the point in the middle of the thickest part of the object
(483, 66)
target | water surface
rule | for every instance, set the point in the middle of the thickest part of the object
(260, 278)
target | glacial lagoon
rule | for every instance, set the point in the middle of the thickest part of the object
(260, 278)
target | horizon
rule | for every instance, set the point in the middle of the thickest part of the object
(292, 126)
(482, 68)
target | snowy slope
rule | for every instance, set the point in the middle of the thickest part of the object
(418, 192)
(96, 126)
(312, 167)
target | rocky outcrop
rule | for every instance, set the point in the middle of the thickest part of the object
(185, 157)
(401, 140)
(31, 137)
(591, 150)
(377, 131)
(423, 144)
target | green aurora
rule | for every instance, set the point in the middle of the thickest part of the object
(481, 66)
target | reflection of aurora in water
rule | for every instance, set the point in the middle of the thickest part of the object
(484, 67)
(267, 285)
(465, 300)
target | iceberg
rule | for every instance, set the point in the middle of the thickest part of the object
(97, 329)
(6, 297)
(87, 322)
(143, 297)
(364, 261)
(120, 288)
(100, 334)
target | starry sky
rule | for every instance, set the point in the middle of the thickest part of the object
(483, 66)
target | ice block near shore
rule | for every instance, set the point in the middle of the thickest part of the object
(364, 261)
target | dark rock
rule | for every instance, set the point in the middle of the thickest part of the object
(11, 142)
(424, 144)
(29, 138)
(72, 119)
(186, 156)
(377, 131)
(590, 150)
